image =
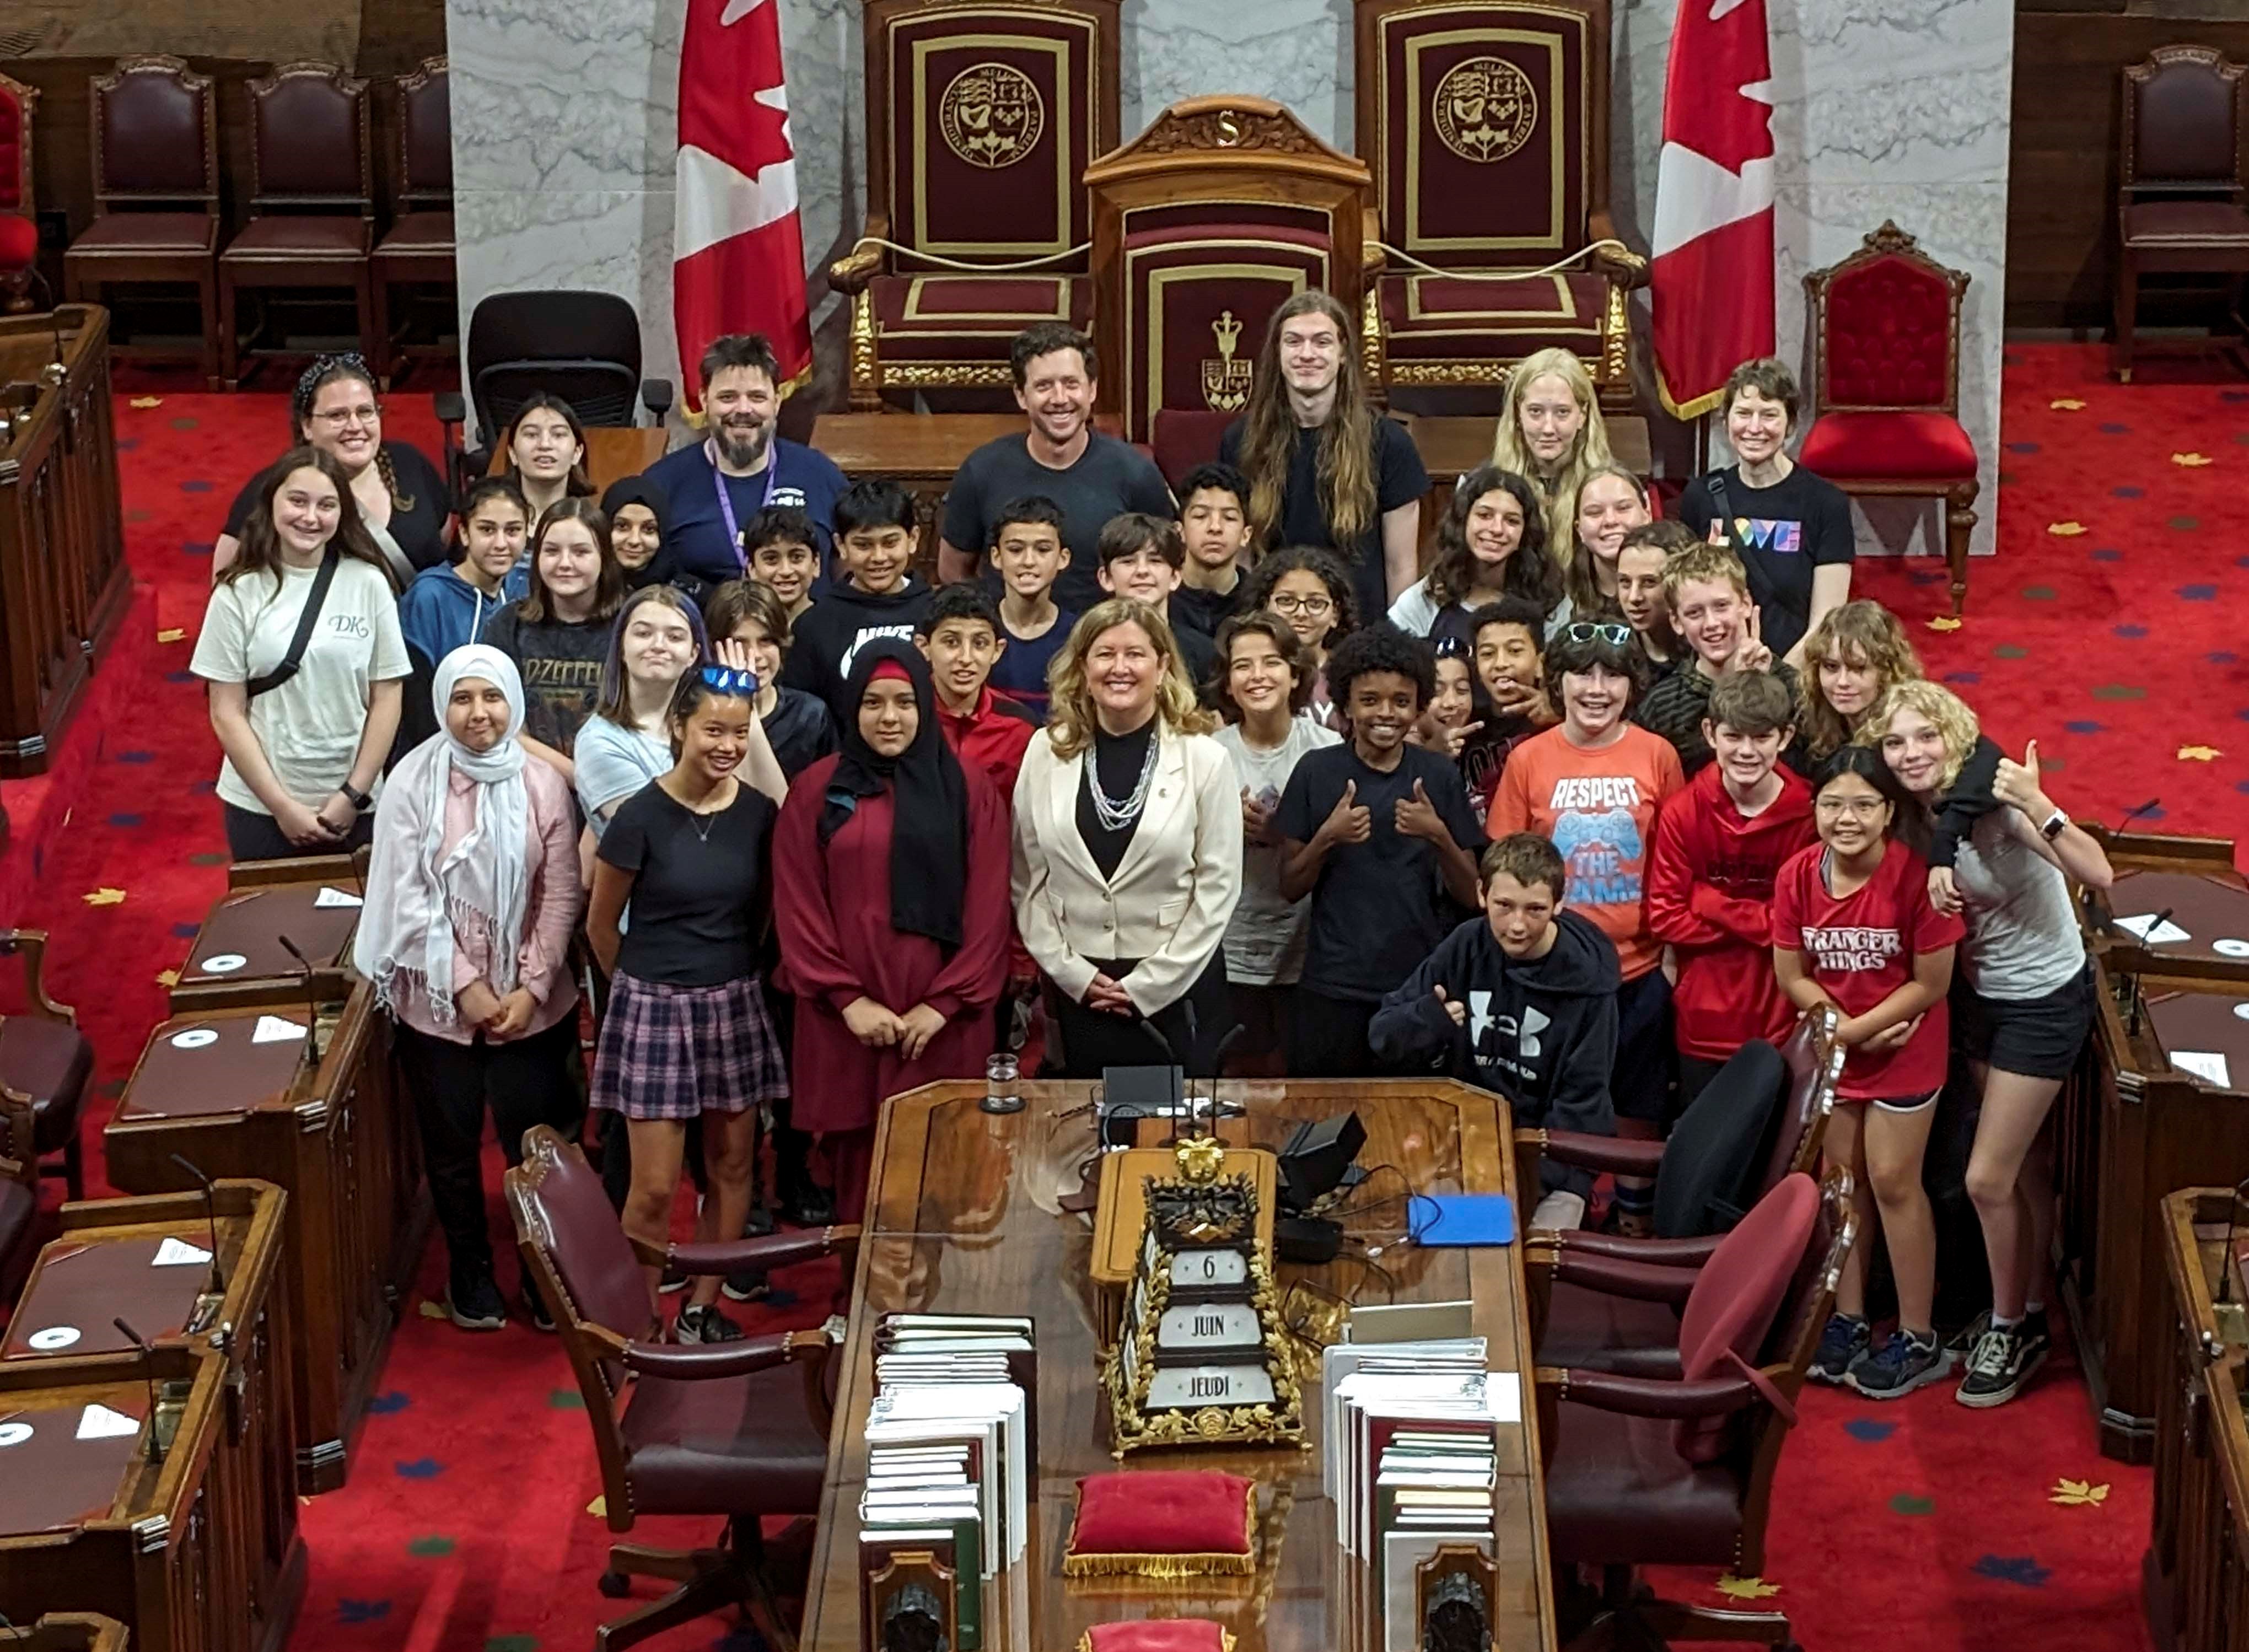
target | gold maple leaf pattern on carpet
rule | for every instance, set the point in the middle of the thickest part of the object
(2065, 404)
(103, 897)
(2066, 530)
(1944, 623)
(2200, 753)
(2192, 461)
(1753, 1588)
(167, 978)
(2078, 1494)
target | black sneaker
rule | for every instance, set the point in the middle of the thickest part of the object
(1963, 1341)
(1845, 1339)
(474, 1302)
(807, 1204)
(761, 1221)
(744, 1287)
(673, 1284)
(1900, 1364)
(534, 1309)
(705, 1325)
(1995, 1368)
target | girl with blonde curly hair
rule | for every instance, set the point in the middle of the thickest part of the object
(1127, 859)
(1550, 430)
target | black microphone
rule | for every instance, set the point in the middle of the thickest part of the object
(1235, 1035)
(312, 995)
(148, 1375)
(2148, 808)
(211, 1215)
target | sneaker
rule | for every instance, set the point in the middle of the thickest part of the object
(806, 1204)
(705, 1325)
(1900, 1364)
(1995, 1369)
(1843, 1341)
(534, 1309)
(744, 1287)
(474, 1302)
(673, 1284)
(761, 1221)
(2037, 1340)
(1963, 1341)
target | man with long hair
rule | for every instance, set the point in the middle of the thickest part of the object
(1324, 467)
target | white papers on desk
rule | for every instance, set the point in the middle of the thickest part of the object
(2144, 925)
(178, 1253)
(336, 898)
(275, 1030)
(2209, 1065)
(100, 1423)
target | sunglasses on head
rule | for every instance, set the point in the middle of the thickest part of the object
(1597, 631)
(1451, 647)
(722, 680)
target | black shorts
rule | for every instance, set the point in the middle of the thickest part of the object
(2037, 1037)
(1640, 1086)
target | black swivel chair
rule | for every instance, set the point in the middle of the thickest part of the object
(582, 346)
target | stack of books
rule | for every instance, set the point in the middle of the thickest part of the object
(952, 1437)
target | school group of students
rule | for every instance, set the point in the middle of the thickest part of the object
(1210, 776)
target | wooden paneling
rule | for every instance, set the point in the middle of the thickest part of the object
(2061, 191)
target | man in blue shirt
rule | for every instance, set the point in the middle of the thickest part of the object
(742, 466)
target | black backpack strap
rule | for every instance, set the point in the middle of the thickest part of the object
(1716, 483)
(302, 638)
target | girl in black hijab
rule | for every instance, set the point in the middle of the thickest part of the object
(639, 513)
(891, 899)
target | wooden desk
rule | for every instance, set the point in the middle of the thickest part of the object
(62, 580)
(103, 1269)
(338, 1138)
(962, 1219)
(613, 452)
(91, 1525)
(237, 957)
(72, 1632)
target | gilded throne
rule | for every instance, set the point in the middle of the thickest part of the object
(1485, 126)
(981, 117)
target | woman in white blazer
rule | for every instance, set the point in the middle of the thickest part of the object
(1128, 851)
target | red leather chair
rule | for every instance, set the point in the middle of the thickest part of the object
(418, 251)
(2181, 144)
(1677, 1469)
(44, 1065)
(156, 190)
(19, 1199)
(312, 220)
(19, 229)
(1886, 331)
(728, 1430)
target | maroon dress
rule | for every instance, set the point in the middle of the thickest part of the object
(832, 905)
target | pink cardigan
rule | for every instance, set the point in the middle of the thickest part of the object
(555, 899)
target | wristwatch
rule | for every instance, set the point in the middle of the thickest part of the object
(2056, 824)
(357, 800)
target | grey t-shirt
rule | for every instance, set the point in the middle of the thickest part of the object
(1265, 939)
(1109, 477)
(2023, 939)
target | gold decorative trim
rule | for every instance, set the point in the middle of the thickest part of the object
(953, 375)
(1207, 1564)
(866, 363)
(1370, 335)
(1616, 348)
(1449, 373)
(1225, 1640)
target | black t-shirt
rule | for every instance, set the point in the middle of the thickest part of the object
(1399, 479)
(561, 665)
(1781, 535)
(1379, 907)
(698, 885)
(1109, 477)
(420, 531)
(1194, 608)
(1198, 654)
(800, 731)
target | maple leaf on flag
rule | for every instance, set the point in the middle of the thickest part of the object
(2077, 1493)
(1745, 1588)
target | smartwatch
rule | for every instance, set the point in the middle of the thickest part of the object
(357, 800)
(2056, 824)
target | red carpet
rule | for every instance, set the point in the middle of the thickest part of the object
(464, 1527)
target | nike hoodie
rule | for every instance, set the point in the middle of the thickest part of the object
(829, 636)
(1541, 1032)
(1710, 871)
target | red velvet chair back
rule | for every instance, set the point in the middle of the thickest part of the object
(425, 136)
(17, 104)
(2183, 120)
(155, 134)
(309, 138)
(1485, 125)
(981, 119)
(1887, 325)
(1737, 1297)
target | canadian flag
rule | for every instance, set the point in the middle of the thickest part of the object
(1711, 278)
(737, 252)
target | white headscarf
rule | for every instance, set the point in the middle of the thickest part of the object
(415, 897)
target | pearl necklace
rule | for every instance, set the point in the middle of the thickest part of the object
(1116, 815)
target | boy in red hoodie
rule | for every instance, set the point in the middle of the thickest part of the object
(1717, 846)
(961, 639)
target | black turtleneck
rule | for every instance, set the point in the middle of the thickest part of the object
(1118, 758)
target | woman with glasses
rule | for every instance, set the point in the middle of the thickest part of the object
(404, 503)
(1591, 787)
(1852, 926)
(1312, 591)
(1491, 543)
(2023, 1004)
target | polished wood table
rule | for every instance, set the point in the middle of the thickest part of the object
(613, 452)
(63, 579)
(240, 955)
(235, 1092)
(963, 1217)
(2195, 1574)
(111, 1264)
(2132, 1126)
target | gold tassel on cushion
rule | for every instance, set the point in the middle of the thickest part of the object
(1225, 1640)
(1201, 1564)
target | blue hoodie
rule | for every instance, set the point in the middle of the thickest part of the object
(441, 611)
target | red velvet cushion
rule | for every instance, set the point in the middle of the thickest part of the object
(1164, 1522)
(19, 242)
(1159, 1634)
(1443, 318)
(11, 154)
(1889, 330)
(1735, 1296)
(971, 318)
(1845, 447)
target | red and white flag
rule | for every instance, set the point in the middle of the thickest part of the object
(1712, 279)
(737, 252)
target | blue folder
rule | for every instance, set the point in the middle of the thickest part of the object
(1460, 1219)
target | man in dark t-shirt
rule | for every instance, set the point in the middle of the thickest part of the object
(1060, 456)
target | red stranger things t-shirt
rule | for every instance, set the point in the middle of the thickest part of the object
(1860, 949)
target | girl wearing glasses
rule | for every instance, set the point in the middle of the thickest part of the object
(401, 498)
(1591, 787)
(1491, 543)
(1311, 590)
(1852, 926)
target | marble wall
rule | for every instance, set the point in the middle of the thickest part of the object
(564, 134)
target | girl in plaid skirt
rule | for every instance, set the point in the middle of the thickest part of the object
(687, 1032)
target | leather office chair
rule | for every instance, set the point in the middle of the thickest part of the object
(45, 1063)
(17, 104)
(729, 1429)
(156, 190)
(19, 1199)
(1676, 1468)
(310, 157)
(2180, 144)
(418, 251)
